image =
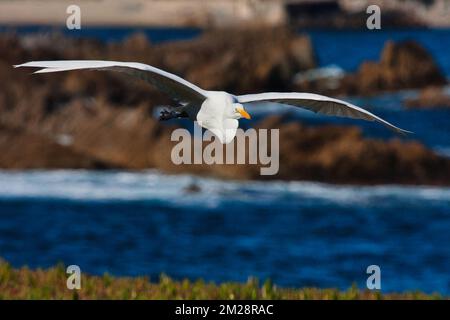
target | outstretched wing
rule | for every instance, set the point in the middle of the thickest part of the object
(175, 86)
(319, 104)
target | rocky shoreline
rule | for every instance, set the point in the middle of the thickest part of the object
(402, 65)
(99, 120)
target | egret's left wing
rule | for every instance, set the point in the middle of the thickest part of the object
(319, 104)
(176, 87)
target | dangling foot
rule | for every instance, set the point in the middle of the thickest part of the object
(167, 115)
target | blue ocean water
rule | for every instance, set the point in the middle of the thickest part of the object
(349, 48)
(296, 233)
(109, 34)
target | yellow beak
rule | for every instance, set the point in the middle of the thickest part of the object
(244, 113)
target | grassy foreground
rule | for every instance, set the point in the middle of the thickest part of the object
(24, 283)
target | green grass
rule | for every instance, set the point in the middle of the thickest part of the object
(24, 283)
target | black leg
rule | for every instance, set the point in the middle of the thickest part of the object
(183, 114)
(167, 115)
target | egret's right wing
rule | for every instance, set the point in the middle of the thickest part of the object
(176, 87)
(319, 104)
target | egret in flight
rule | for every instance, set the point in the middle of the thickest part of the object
(217, 111)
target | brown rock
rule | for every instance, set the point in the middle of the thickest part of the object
(430, 97)
(402, 65)
(342, 155)
(24, 150)
(238, 61)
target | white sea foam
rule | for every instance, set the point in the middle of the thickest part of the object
(443, 150)
(178, 189)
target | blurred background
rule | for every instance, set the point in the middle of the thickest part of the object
(86, 176)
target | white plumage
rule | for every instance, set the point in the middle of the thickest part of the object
(216, 111)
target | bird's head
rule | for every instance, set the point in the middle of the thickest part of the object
(239, 111)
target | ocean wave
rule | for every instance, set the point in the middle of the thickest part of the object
(443, 150)
(193, 190)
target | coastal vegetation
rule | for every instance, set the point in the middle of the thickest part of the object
(25, 283)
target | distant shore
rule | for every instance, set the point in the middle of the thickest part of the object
(175, 13)
(226, 13)
(24, 283)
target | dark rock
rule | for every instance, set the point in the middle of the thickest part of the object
(403, 65)
(341, 155)
(24, 150)
(430, 97)
(241, 62)
(192, 188)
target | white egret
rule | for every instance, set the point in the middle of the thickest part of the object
(217, 111)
